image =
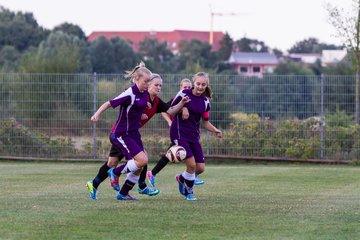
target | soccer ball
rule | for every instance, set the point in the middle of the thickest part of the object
(176, 154)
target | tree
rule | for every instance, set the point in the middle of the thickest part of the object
(195, 52)
(124, 56)
(347, 25)
(102, 57)
(157, 55)
(292, 68)
(71, 29)
(9, 58)
(20, 30)
(110, 56)
(226, 47)
(250, 45)
(311, 45)
(59, 53)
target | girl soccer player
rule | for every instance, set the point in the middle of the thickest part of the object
(186, 132)
(163, 161)
(154, 105)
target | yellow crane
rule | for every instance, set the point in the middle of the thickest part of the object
(212, 15)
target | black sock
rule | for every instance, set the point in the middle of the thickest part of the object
(163, 161)
(142, 178)
(181, 179)
(189, 184)
(128, 185)
(101, 176)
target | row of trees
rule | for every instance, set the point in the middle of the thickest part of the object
(25, 46)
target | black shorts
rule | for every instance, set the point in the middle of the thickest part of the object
(115, 152)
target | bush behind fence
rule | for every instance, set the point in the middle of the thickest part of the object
(305, 117)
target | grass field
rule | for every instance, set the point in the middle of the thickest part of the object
(50, 201)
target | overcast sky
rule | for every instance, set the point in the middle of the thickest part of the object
(279, 23)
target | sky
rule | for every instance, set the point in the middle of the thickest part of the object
(278, 23)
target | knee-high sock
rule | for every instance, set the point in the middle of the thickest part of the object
(130, 166)
(101, 176)
(163, 161)
(189, 182)
(130, 182)
(141, 182)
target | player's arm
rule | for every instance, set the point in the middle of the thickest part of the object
(208, 125)
(101, 109)
(176, 108)
(166, 117)
(121, 99)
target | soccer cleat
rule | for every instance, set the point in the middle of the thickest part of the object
(190, 197)
(198, 181)
(114, 179)
(151, 178)
(92, 190)
(119, 196)
(181, 185)
(149, 191)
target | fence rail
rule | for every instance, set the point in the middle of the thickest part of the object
(301, 117)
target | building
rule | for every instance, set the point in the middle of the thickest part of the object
(306, 58)
(253, 64)
(171, 38)
(331, 57)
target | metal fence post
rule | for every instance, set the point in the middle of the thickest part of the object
(94, 124)
(322, 117)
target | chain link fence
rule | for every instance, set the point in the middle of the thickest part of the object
(294, 117)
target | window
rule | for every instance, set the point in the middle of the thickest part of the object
(256, 69)
(243, 69)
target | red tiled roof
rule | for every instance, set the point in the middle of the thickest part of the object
(172, 38)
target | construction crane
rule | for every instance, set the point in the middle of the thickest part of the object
(213, 14)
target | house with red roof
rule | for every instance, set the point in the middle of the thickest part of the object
(253, 64)
(172, 38)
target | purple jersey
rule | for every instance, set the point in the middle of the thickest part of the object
(189, 129)
(133, 103)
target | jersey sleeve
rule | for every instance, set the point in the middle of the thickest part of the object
(123, 98)
(178, 98)
(205, 116)
(162, 106)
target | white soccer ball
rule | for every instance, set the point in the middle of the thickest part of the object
(176, 154)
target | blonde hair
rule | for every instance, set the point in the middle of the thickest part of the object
(185, 80)
(154, 76)
(138, 71)
(208, 91)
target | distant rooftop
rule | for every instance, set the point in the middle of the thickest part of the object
(253, 57)
(172, 38)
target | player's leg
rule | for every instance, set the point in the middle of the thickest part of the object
(143, 188)
(131, 180)
(101, 176)
(188, 178)
(163, 161)
(133, 176)
(200, 162)
(133, 149)
(198, 181)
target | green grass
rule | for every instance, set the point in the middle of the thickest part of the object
(50, 201)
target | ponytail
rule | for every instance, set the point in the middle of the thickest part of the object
(138, 71)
